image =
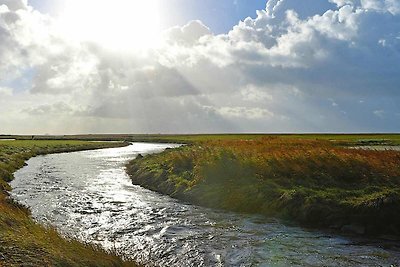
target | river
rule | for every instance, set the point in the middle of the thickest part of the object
(88, 195)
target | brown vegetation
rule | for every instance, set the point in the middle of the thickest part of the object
(314, 183)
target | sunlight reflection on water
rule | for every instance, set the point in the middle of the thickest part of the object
(88, 195)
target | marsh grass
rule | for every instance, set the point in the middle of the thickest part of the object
(24, 242)
(313, 182)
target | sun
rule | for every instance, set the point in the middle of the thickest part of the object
(120, 24)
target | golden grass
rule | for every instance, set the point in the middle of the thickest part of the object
(313, 182)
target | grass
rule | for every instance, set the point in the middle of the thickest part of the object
(306, 179)
(23, 241)
(342, 139)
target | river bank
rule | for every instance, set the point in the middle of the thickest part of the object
(25, 242)
(313, 183)
(97, 202)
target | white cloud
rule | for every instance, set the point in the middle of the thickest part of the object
(27, 38)
(244, 112)
(273, 72)
(189, 34)
(254, 94)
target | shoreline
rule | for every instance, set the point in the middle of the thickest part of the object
(42, 245)
(336, 189)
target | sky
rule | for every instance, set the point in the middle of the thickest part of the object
(220, 16)
(190, 66)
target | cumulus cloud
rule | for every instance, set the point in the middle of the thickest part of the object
(188, 34)
(295, 66)
(383, 6)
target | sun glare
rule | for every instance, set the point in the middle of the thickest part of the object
(120, 24)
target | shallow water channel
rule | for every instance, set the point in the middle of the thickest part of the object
(89, 196)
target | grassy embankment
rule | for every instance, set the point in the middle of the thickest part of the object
(312, 182)
(26, 243)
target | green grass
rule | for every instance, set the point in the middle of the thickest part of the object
(26, 243)
(307, 180)
(349, 139)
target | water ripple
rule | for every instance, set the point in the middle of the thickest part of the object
(89, 196)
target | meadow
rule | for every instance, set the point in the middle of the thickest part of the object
(24, 242)
(341, 139)
(314, 181)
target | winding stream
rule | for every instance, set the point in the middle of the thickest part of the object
(89, 196)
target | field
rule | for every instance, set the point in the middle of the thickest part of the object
(24, 242)
(346, 139)
(304, 179)
(313, 180)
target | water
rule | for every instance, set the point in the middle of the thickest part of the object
(89, 196)
(379, 148)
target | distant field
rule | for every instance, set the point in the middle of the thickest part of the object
(349, 139)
